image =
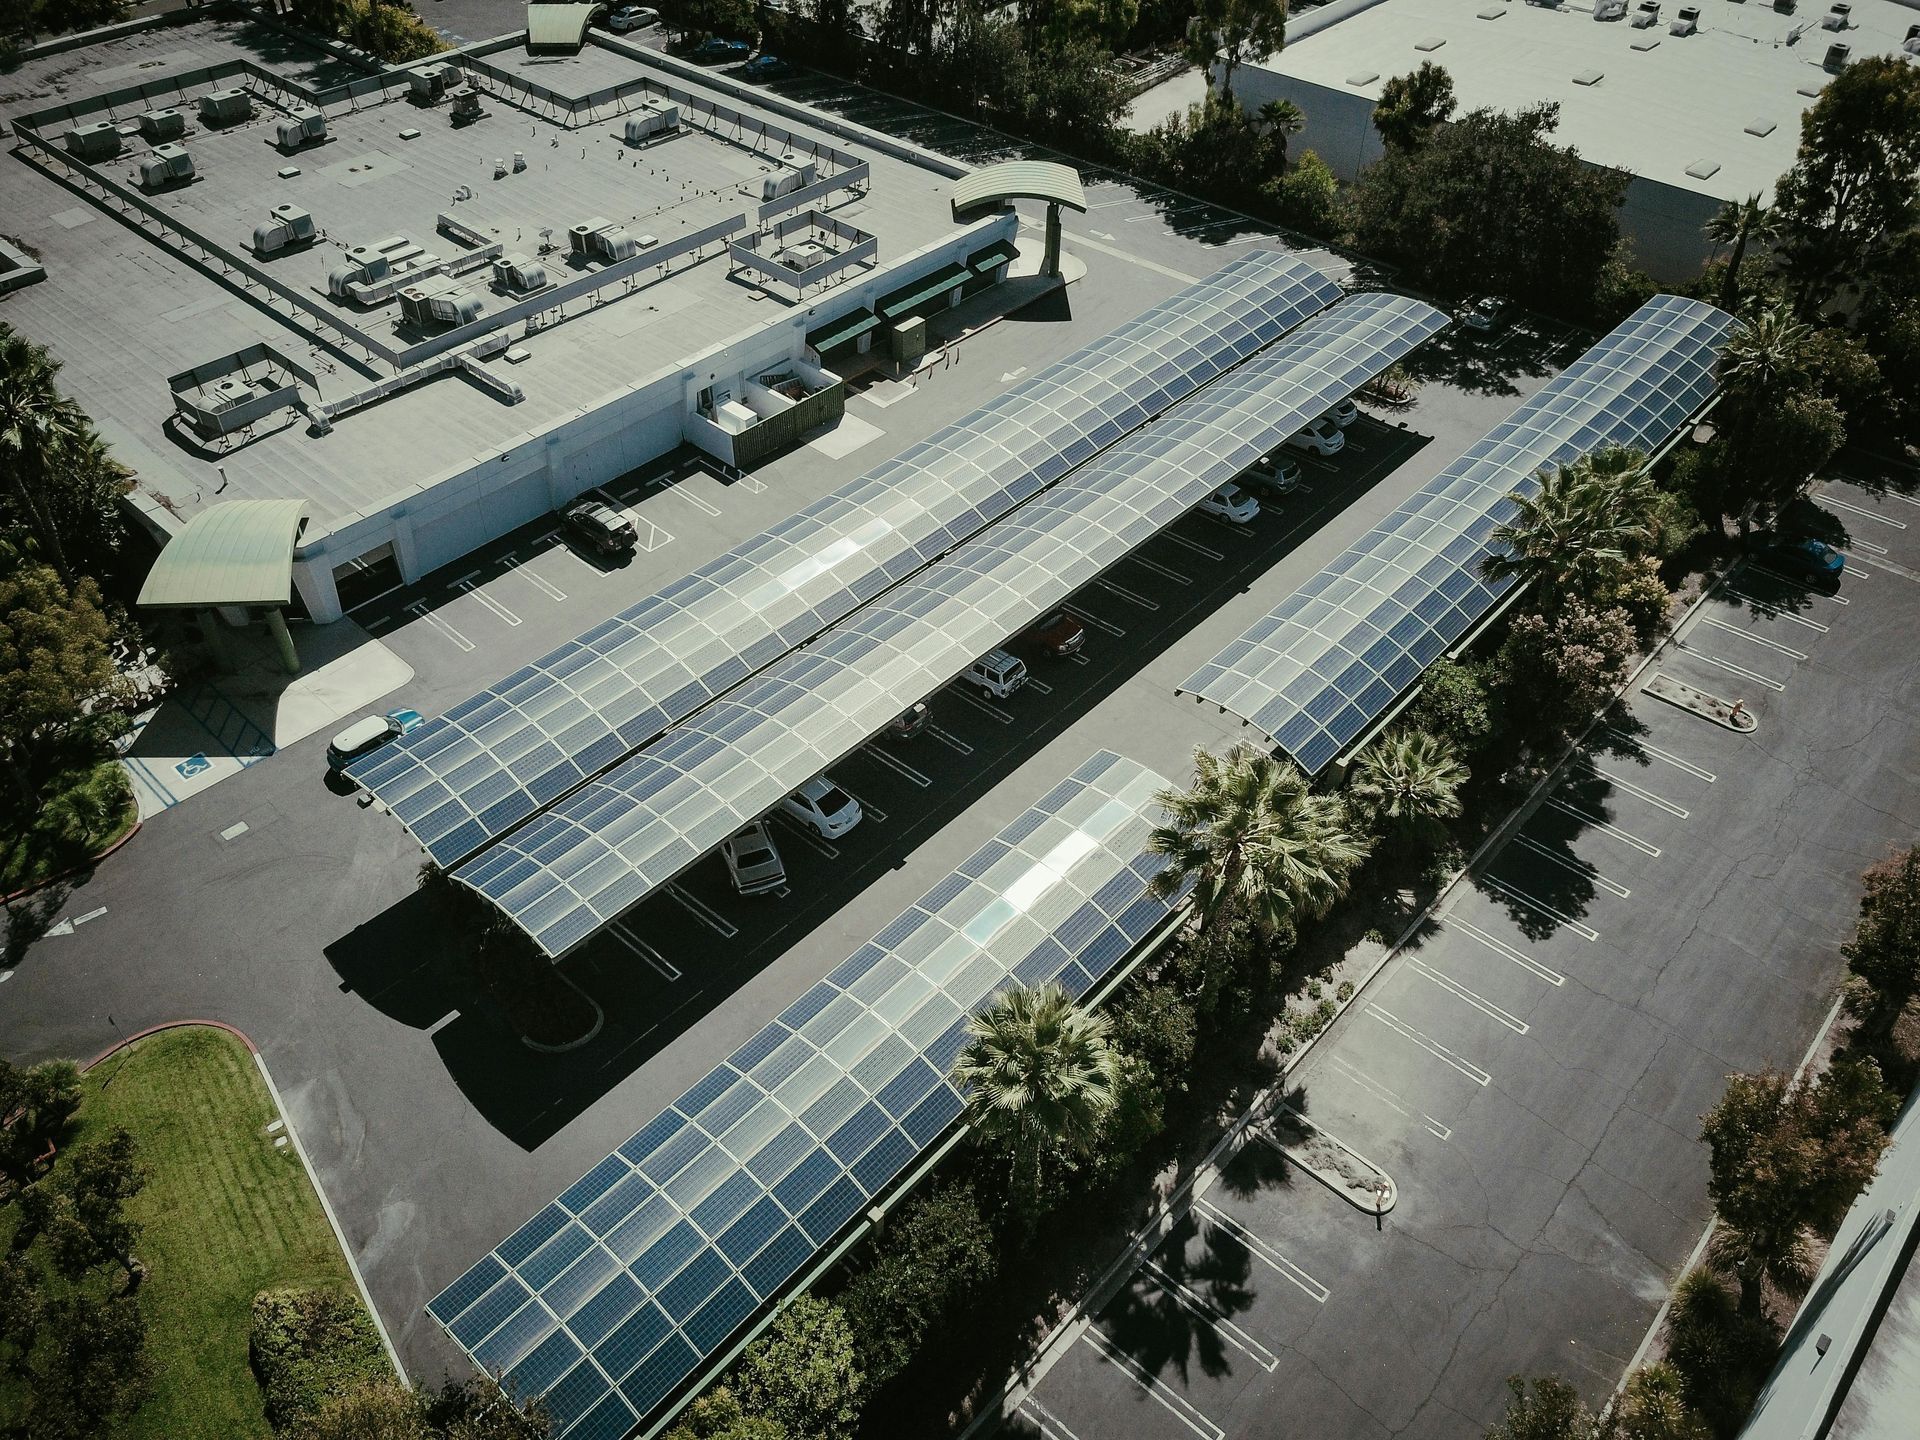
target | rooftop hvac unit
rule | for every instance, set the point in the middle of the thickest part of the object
(466, 104)
(1609, 9)
(600, 239)
(165, 165)
(1646, 15)
(1912, 43)
(439, 301)
(302, 127)
(364, 265)
(787, 179)
(289, 228)
(1686, 22)
(1837, 57)
(225, 107)
(158, 125)
(519, 273)
(1837, 18)
(430, 83)
(655, 117)
(98, 141)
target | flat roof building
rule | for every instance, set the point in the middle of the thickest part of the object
(1700, 103)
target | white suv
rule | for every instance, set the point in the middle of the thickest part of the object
(1231, 504)
(996, 674)
(823, 807)
(1322, 437)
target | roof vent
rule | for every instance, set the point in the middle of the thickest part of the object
(1762, 127)
(1646, 15)
(1362, 77)
(1837, 57)
(1609, 9)
(1588, 77)
(1811, 90)
(1686, 22)
(1431, 42)
(1492, 12)
(1644, 43)
(1837, 18)
(1704, 169)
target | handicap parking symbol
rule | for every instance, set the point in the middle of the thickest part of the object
(193, 765)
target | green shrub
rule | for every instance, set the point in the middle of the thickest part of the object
(931, 1263)
(308, 1344)
(1721, 1356)
(1345, 992)
(1157, 1024)
(804, 1372)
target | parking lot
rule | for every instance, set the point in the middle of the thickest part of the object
(1530, 1069)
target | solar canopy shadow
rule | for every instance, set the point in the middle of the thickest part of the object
(469, 776)
(644, 1271)
(569, 871)
(1326, 663)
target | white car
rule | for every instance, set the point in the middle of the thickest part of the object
(1322, 437)
(631, 17)
(1343, 414)
(823, 807)
(1231, 504)
(753, 860)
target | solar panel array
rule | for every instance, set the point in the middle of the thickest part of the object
(604, 849)
(644, 1271)
(470, 775)
(1332, 658)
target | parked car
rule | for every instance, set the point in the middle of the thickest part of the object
(753, 860)
(1804, 559)
(909, 723)
(369, 733)
(766, 67)
(1277, 475)
(601, 528)
(1485, 314)
(1231, 504)
(1056, 637)
(632, 17)
(996, 674)
(823, 807)
(714, 50)
(1343, 414)
(1322, 437)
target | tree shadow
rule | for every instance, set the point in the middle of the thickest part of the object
(1166, 1317)
(1483, 364)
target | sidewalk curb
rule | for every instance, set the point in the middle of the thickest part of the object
(85, 865)
(300, 1149)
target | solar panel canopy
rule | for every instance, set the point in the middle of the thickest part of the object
(644, 1271)
(1326, 663)
(566, 873)
(469, 776)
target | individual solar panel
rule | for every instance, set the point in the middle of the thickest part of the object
(582, 863)
(1414, 579)
(644, 1270)
(468, 776)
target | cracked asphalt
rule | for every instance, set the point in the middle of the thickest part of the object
(1532, 1067)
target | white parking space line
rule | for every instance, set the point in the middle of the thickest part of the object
(705, 914)
(1048, 1423)
(1747, 634)
(1175, 1404)
(874, 752)
(867, 808)
(1587, 817)
(1087, 617)
(1193, 545)
(1161, 570)
(377, 624)
(1539, 906)
(1573, 863)
(1427, 1043)
(1142, 601)
(645, 951)
(965, 699)
(466, 586)
(1774, 612)
(1389, 1098)
(545, 587)
(1641, 747)
(1197, 1304)
(1263, 1252)
(950, 740)
(418, 609)
(806, 837)
(1040, 686)
(1477, 1001)
(1853, 509)
(1860, 543)
(669, 484)
(1657, 801)
(1503, 950)
(1731, 668)
(1789, 580)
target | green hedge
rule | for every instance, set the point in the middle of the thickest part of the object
(308, 1344)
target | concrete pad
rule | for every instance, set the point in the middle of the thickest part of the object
(331, 691)
(848, 436)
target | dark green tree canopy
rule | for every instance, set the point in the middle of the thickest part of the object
(1413, 105)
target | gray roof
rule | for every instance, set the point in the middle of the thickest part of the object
(237, 553)
(1020, 180)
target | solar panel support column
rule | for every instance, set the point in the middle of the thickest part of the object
(1051, 267)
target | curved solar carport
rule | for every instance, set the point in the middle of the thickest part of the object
(469, 776)
(603, 850)
(640, 1275)
(1328, 662)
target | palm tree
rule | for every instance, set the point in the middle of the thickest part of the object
(36, 422)
(1038, 1073)
(1585, 516)
(1409, 782)
(1766, 350)
(1777, 1253)
(1283, 119)
(1737, 224)
(1250, 832)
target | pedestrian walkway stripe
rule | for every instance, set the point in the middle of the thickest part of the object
(1573, 863)
(1521, 897)
(1460, 992)
(1589, 818)
(1175, 1403)
(1433, 1047)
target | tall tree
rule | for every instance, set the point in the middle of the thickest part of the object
(1234, 32)
(37, 423)
(1250, 833)
(81, 1210)
(803, 1372)
(1412, 106)
(1546, 1409)
(1852, 185)
(1779, 428)
(56, 664)
(1885, 949)
(1586, 519)
(1039, 1075)
(1282, 119)
(39, 1100)
(1763, 1171)
(1407, 783)
(1654, 1407)
(1740, 223)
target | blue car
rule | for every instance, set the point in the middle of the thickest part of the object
(766, 67)
(1805, 559)
(714, 50)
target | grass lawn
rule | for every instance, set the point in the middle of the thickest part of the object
(226, 1214)
(86, 814)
